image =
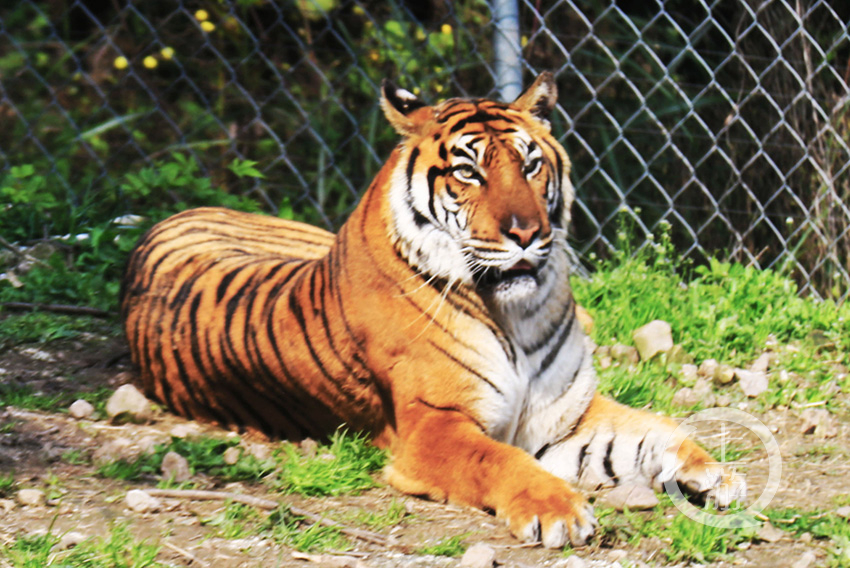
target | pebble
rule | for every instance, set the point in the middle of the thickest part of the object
(843, 512)
(707, 368)
(704, 393)
(478, 555)
(309, 447)
(185, 431)
(769, 533)
(31, 497)
(128, 402)
(818, 421)
(807, 559)
(584, 319)
(761, 364)
(81, 409)
(677, 354)
(617, 555)
(115, 449)
(6, 505)
(231, 455)
(753, 383)
(724, 374)
(633, 497)
(624, 353)
(653, 338)
(688, 375)
(70, 540)
(140, 502)
(685, 397)
(175, 467)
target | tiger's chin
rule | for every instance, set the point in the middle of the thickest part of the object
(509, 287)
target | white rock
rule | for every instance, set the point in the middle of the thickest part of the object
(115, 449)
(843, 512)
(175, 467)
(708, 367)
(6, 505)
(231, 455)
(185, 431)
(761, 364)
(81, 409)
(653, 338)
(31, 497)
(807, 559)
(724, 374)
(633, 497)
(478, 555)
(769, 533)
(575, 561)
(617, 555)
(688, 375)
(819, 421)
(128, 401)
(685, 397)
(753, 383)
(624, 353)
(704, 393)
(70, 540)
(140, 502)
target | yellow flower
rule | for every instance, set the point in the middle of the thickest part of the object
(446, 29)
(207, 26)
(150, 62)
(120, 62)
(374, 55)
(202, 15)
(167, 52)
(420, 35)
(523, 41)
(438, 88)
(358, 10)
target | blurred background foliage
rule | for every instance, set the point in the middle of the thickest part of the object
(726, 122)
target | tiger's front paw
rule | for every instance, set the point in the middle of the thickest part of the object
(550, 516)
(712, 481)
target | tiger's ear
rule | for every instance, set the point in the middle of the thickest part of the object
(540, 98)
(400, 106)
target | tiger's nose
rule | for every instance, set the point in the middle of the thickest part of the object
(523, 234)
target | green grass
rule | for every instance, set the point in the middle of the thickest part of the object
(344, 467)
(291, 530)
(722, 310)
(824, 525)
(449, 546)
(235, 520)
(393, 515)
(44, 327)
(119, 549)
(8, 485)
(26, 398)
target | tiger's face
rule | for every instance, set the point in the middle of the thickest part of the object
(481, 192)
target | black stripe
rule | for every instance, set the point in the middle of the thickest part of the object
(480, 116)
(606, 461)
(433, 173)
(553, 328)
(467, 368)
(411, 164)
(638, 452)
(542, 451)
(443, 154)
(225, 282)
(582, 458)
(553, 353)
(451, 409)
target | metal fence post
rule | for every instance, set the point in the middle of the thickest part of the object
(507, 49)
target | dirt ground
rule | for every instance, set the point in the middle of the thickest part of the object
(814, 472)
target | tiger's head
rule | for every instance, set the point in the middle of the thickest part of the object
(480, 193)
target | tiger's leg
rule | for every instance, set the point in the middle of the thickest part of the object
(446, 456)
(615, 445)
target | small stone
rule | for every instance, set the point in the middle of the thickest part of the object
(231, 455)
(31, 497)
(624, 354)
(653, 338)
(677, 354)
(704, 393)
(818, 421)
(724, 374)
(115, 449)
(140, 502)
(723, 400)
(685, 397)
(81, 409)
(309, 447)
(575, 561)
(127, 402)
(259, 451)
(843, 512)
(605, 362)
(70, 540)
(807, 559)
(478, 556)
(707, 368)
(805, 538)
(688, 375)
(752, 383)
(175, 467)
(761, 364)
(633, 497)
(769, 533)
(617, 555)
(6, 505)
(185, 431)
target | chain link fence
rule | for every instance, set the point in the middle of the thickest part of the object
(725, 121)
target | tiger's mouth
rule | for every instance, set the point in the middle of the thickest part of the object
(492, 279)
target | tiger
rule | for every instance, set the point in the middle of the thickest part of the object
(439, 319)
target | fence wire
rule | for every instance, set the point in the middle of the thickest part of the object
(725, 121)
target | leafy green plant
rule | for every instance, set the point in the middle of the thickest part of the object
(44, 327)
(393, 515)
(345, 466)
(7, 484)
(234, 520)
(291, 530)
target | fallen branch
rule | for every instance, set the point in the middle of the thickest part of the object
(58, 308)
(185, 553)
(260, 503)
